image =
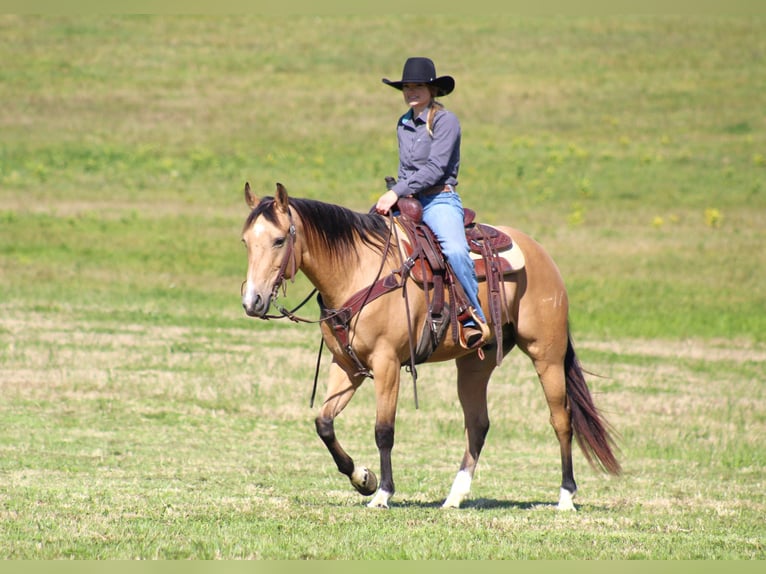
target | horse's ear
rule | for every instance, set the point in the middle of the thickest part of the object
(281, 197)
(250, 199)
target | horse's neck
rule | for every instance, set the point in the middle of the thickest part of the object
(337, 283)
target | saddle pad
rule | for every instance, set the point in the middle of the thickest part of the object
(513, 256)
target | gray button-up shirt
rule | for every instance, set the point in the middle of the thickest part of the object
(426, 161)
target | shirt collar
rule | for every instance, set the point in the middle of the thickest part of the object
(421, 119)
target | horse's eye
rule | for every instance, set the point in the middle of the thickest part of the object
(279, 242)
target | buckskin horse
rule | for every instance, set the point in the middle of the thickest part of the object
(344, 254)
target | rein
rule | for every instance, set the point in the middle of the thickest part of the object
(350, 308)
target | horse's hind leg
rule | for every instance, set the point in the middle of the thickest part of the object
(340, 389)
(553, 381)
(473, 377)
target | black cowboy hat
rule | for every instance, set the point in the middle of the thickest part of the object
(423, 71)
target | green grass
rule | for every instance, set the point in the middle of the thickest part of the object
(145, 417)
(133, 441)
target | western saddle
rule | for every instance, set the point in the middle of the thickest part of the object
(431, 270)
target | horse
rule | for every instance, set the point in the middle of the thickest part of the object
(343, 253)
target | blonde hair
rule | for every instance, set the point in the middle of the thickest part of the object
(433, 110)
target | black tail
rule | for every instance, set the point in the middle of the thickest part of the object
(590, 428)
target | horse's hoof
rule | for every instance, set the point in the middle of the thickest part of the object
(566, 502)
(380, 500)
(364, 481)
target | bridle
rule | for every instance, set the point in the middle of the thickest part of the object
(288, 256)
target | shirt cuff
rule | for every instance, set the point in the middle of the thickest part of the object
(401, 189)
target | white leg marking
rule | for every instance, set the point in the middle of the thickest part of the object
(380, 500)
(565, 500)
(460, 490)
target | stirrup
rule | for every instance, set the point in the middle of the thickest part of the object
(474, 336)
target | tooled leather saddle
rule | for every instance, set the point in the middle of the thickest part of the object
(430, 269)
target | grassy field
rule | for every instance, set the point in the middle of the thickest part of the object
(145, 417)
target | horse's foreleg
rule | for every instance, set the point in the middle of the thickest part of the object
(472, 379)
(386, 397)
(554, 386)
(340, 389)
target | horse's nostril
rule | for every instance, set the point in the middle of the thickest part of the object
(253, 304)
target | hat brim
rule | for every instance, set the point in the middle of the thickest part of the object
(444, 84)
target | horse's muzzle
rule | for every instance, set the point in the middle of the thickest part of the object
(255, 304)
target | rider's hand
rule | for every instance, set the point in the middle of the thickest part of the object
(386, 202)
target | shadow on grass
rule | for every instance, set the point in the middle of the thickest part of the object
(479, 504)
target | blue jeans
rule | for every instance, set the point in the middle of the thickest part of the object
(443, 213)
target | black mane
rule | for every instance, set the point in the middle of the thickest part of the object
(335, 228)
